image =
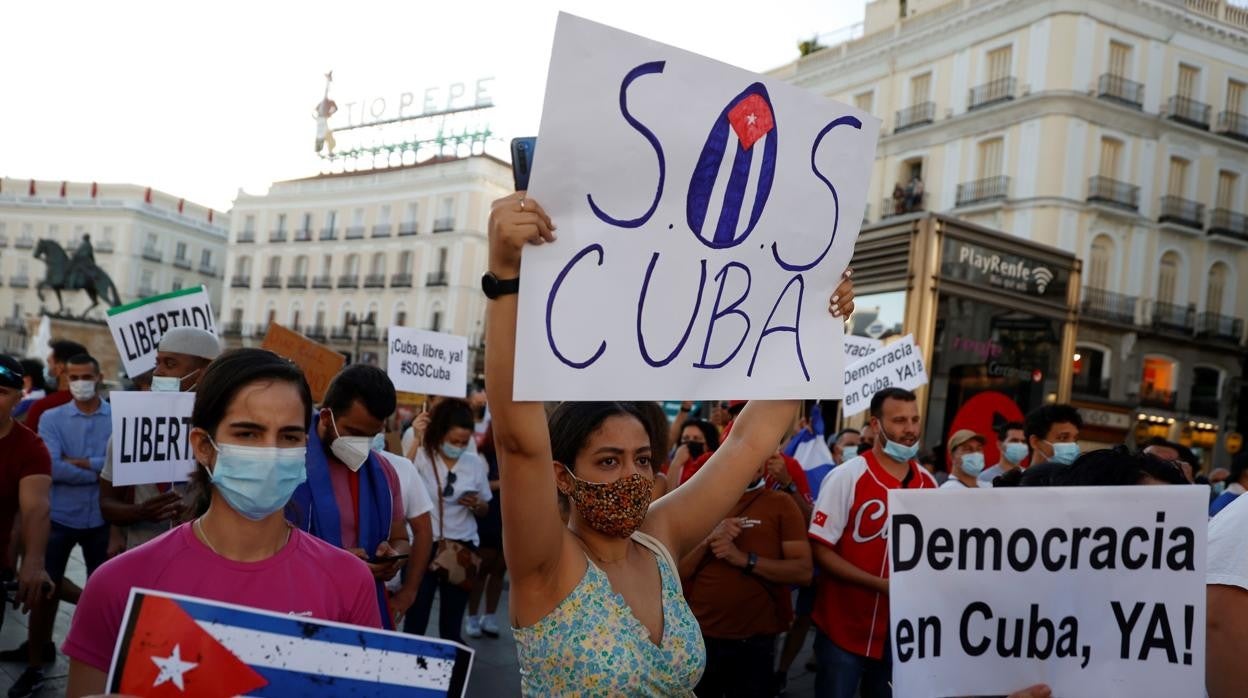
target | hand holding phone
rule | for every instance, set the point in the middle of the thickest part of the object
(522, 160)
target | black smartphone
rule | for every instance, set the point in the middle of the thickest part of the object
(522, 160)
(388, 558)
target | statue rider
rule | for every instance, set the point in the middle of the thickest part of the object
(81, 265)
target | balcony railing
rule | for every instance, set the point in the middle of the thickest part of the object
(182, 263)
(1223, 327)
(1107, 305)
(1119, 89)
(303, 235)
(277, 236)
(207, 269)
(1180, 211)
(1186, 110)
(436, 278)
(324, 281)
(4, 241)
(341, 333)
(355, 232)
(1160, 399)
(317, 332)
(915, 116)
(329, 234)
(900, 207)
(999, 90)
(401, 281)
(368, 333)
(1233, 124)
(297, 281)
(152, 254)
(981, 190)
(444, 225)
(349, 281)
(232, 329)
(1203, 405)
(240, 281)
(24, 243)
(1229, 224)
(1099, 388)
(246, 236)
(272, 282)
(1110, 191)
(19, 281)
(408, 229)
(375, 281)
(1177, 318)
(381, 230)
(105, 246)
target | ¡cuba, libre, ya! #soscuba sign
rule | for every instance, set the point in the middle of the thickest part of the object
(705, 215)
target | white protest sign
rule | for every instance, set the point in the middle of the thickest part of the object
(137, 327)
(431, 363)
(151, 437)
(898, 365)
(1095, 591)
(860, 347)
(704, 217)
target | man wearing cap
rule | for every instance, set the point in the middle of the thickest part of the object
(966, 460)
(146, 511)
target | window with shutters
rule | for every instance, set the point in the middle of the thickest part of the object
(275, 266)
(1119, 59)
(353, 265)
(1099, 263)
(1215, 294)
(999, 61)
(1227, 182)
(1177, 185)
(1111, 157)
(301, 265)
(991, 156)
(865, 101)
(1168, 279)
(1236, 97)
(921, 88)
(1189, 81)
(379, 264)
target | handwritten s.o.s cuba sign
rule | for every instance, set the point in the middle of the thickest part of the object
(704, 217)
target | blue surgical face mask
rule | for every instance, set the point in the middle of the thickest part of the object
(973, 464)
(258, 481)
(452, 451)
(379, 442)
(899, 452)
(166, 384)
(1015, 453)
(49, 379)
(1064, 453)
(848, 452)
(1218, 488)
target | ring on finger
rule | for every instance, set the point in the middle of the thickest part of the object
(522, 204)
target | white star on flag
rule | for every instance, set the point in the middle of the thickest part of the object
(173, 668)
(750, 119)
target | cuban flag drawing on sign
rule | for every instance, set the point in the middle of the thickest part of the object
(182, 646)
(809, 448)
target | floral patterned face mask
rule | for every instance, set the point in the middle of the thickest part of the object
(613, 508)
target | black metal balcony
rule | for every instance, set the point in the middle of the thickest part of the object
(436, 278)
(1220, 327)
(1104, 190)
(297, 281)
(4, 241)
(375, 281)
(1229, 224)
(1176, 318)
(24, 243)
(272, 281)
(233, 329)
(1098, 388)
(1180, 211)
(999, 90)
(323, 281)
(982, 190)
(317, 332)
(381, 230)
(246, 236)
(19, 281)
(349, 281)
(444, 225)
(915, 116)
(1201, 404)
(1116, 88)
(329, 234)
(277, 236)
(104, 246)
(341, 333)
(152, 254)
(401, 281)
(241, 281)
(182, 263)
(355, 232)
(368, 333)
(1160, 399)
(207, 269)
(1186, 110)
(1233, 124)
(1107, 305)
(900, 207)
(303, 235)
(408, 229)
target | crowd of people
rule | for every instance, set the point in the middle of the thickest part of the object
(644, 555)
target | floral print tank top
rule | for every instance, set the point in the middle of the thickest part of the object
(591, 644)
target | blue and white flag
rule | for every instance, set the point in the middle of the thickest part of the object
(808, 448)
(182, 646)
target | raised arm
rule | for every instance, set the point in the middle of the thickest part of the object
(533, 533)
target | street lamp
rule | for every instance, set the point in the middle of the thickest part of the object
(358, 324)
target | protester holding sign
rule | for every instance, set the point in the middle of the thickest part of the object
(608, 575)
(851, 551)
(966, 460)
(251, 419)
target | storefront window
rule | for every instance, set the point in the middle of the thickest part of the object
(1157, 383)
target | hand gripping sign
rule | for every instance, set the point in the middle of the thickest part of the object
(705, 215)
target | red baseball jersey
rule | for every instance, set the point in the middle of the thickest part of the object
(851, 517)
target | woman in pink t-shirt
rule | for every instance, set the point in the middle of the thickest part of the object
(251, 417)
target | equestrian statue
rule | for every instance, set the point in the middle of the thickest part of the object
(77, 274)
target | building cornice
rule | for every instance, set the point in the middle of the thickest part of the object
(108, 205)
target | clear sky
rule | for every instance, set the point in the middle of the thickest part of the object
(201, 98)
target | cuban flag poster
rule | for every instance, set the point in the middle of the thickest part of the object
(182, 646)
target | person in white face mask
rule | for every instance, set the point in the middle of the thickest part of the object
(352, 498)
(1012, 443)
(966, 460)
(143, 512)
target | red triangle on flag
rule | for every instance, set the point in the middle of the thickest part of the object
(170, 656)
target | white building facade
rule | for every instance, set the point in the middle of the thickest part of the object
(405, 246)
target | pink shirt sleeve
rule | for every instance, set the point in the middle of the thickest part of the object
(97, 619)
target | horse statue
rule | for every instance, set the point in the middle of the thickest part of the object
(78, 274)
